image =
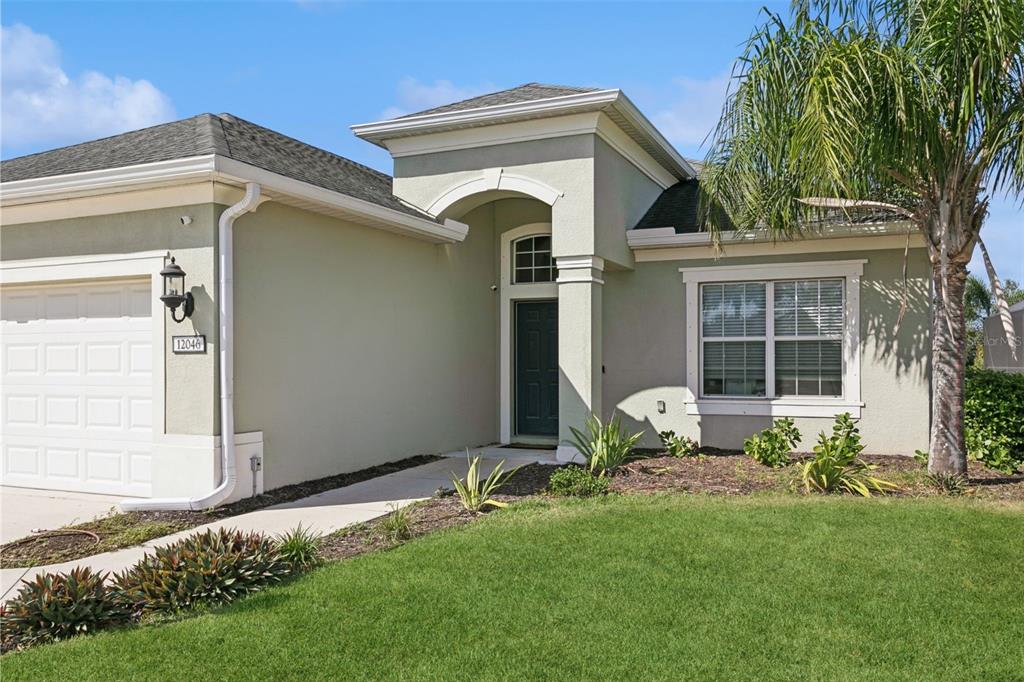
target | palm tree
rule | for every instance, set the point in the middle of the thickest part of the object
(915, 107)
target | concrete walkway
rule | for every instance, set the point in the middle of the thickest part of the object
(323, 513)
(23, 510)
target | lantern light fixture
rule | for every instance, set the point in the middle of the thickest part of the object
(175, 295)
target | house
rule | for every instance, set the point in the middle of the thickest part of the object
(535, 258)
(997, 350)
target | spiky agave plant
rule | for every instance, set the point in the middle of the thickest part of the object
(474, 493)
(604, 446)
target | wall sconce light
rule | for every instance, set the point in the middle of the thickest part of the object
(175, 295)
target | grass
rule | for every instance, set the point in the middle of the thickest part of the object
(681, 587)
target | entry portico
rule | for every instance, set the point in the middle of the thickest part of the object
(581, 153)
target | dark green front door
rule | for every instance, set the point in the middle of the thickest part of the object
(536, 368)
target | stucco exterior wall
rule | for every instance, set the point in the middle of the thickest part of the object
(191, 380)
(622, 195)
(356, 346)
(645, 354)
(565, 164)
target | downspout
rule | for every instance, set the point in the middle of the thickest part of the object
(226, 295)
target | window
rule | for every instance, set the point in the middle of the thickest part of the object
(533, 262)
(733, 327)
(796, 323)
(808, 337)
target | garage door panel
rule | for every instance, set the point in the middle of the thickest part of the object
(76, 405)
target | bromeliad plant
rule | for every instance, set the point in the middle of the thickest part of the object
(678, 446)
(55, 606)
(837, 466)
(474, 493)
(772, 446)
(604, 446)
(215, 567)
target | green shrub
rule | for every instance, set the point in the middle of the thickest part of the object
(949, 484)
(214, 567)
(678, 446)
(574, 481)
(605, 446)
(56, 606)
(772, 446)
(397, 526)
(300, 549)
(474, 493)
(994, 418)
(837, 466)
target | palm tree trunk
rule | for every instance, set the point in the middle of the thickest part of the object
(947, 453)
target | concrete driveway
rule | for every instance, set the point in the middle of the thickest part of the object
(23, 510)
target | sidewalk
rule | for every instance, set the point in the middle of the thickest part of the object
(323, 513)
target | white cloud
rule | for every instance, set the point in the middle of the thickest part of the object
(41, 104)
(694, 112)
(416, 96)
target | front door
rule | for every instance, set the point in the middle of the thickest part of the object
(536, 368)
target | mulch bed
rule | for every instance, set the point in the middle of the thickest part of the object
(437, 513)
(134, 528)
(730, 472)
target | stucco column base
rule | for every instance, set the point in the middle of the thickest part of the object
(568, 453)
(579, 345)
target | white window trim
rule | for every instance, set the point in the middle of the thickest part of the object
(796, 406)
(510, 293)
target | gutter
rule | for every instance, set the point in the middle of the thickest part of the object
(666, 237)
(226, 295)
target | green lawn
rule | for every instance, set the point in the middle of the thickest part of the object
(622, 588)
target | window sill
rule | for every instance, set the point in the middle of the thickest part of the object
(781, 407)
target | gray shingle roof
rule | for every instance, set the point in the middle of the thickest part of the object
(528, 92)
(678, 207)
(225, 135)
(675, 207)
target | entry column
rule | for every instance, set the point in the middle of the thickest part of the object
(579, 345)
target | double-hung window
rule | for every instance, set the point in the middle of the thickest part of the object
(780, 335)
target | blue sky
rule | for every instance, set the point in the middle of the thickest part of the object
(74, 71)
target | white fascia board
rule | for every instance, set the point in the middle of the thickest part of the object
(666, 237)
(378, 131)
(636, 117)
(213, 167)
(450, 231)
(107, 179)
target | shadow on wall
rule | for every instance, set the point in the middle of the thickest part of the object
(203, 319)
(713, 431)
(909, 347)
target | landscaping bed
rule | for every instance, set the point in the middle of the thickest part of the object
(439, 512)
(730, 472)
(133, 528)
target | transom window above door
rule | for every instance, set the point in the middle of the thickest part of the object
(532, 260)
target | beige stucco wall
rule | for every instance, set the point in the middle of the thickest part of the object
(645, 354)
(355, 346)
(190, 396)
(564, 164)
(622, 195)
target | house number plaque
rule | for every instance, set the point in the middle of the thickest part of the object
(189, 344)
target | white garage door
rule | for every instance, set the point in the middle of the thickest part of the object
(77, 406)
